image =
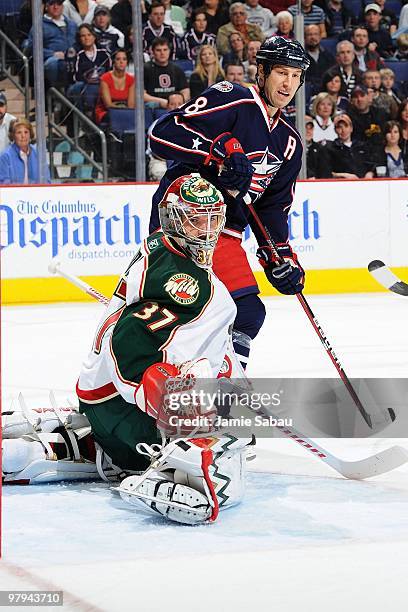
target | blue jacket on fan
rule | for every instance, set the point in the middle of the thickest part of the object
(54, 37)
(12, 166)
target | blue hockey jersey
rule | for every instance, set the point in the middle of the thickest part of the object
(273, 146)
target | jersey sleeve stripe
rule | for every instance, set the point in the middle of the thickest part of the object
(219, 108)
(96, 396)
(179, 148)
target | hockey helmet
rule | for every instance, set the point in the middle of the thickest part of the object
(278, 50)
(192, 212)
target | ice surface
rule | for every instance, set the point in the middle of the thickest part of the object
(304, 538)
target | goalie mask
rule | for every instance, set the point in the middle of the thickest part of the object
(192, 212)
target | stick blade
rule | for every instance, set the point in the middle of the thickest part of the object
(386, 278)
(380, 463)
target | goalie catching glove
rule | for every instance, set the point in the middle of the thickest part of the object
(236, 169)
(285, 274)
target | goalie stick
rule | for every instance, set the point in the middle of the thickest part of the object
(386, 278)
(380, 463)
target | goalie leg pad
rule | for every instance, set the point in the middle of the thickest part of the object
(190, 480)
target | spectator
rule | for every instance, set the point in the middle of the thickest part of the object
(323, 110)
(388, 85)
(175, 17)
(19, 161)
(388, 19)
(5, 120)
(250, 65)
(90, 64)
(217, 15)
(376, 32)
(348, 158)
(403, 121)
(315, 153)
(156, 166)
(156, 28)
(79, 11)
(320, 59)
(58, 36)
(277, 6)
(338, 17)
(366, 58)
(109, 38)
(346, 69)
(116, 88)
(284, 25)
(197, 36)
(372, 80)
(260, 16)
(402, 47)
(162, 78)
(238, 23)
(367, 121)
(332, 85)
(234, 73)
(237, 49)
(121, 14)
(392, 157)
(208, 70)
(311, 14)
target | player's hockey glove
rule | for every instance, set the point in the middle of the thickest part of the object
(287, 276)
(236, 169)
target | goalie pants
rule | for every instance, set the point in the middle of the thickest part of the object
(117, 427)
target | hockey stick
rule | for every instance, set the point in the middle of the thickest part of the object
(55, 268)
(382, 462)
(386, 278)
(317, 327)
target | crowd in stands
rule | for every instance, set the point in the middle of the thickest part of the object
(356, 115)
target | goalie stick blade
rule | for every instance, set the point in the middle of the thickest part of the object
(382, 462)
(386, 278)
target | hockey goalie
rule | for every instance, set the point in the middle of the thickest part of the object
(165, 329)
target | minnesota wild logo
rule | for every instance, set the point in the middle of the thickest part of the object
(182, 288)
(197, 190)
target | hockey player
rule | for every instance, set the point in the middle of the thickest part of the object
(239, 139)
(166, 326)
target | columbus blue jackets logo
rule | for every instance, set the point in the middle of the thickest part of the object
(182, 288)
(224, 86)
(265, 165)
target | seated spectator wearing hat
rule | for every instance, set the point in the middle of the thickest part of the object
(238, 23)
(80, 11)
(377, 34)
(323, 110)
(116, 89)
(156, 28)
(348, 158)
(320, 59)
(388, 19)
(197, 36)
(284, 25)
(346, 69)
(338, 17)
(312, 14)
(5, 120)
(109, 38)
(392, 156)
(162, 77)
(380, 100)
(367, 121)
(261, 16)
(316, 163)
(58, 36)
(19, 161)
(366, 59)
